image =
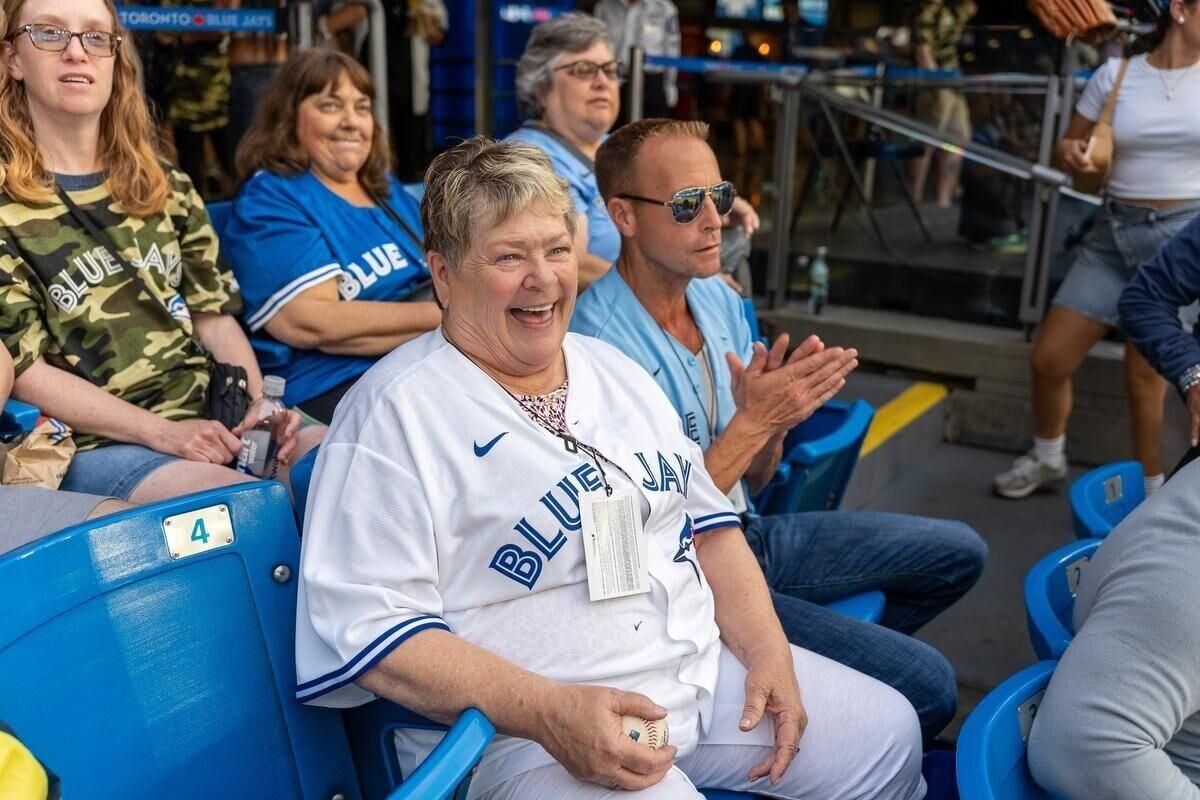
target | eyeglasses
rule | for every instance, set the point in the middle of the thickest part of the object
(686, 204)
(55, 39)
(586, 70)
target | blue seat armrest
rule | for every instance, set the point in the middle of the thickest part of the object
(867, 606)
(852, 429)
(18, 417)
(450, 762)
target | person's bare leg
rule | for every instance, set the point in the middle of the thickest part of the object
(109, 506)
(178, 478)
(920, 173)
(1147, 390)
(1061, 345)
(949, 170)
(306, 439)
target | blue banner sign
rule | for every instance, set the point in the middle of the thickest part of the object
(158, 18)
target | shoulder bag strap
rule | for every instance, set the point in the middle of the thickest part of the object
(395, 217)
(103, 238)
(1110, 104)
(567, 145)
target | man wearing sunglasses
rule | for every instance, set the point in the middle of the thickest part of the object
(664, 306)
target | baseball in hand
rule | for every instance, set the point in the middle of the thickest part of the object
(652, 732)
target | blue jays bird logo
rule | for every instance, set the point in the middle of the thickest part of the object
(686, 538)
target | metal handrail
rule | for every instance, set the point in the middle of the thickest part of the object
(796, 82)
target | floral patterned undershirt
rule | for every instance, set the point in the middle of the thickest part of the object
(547, 408)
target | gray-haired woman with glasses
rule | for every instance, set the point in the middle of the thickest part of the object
(568, 91)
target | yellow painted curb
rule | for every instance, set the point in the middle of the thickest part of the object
(900, 412)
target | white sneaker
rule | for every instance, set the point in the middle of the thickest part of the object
(1027, 475)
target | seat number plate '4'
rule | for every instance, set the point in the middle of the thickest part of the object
(198, 531)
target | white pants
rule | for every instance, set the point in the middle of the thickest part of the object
(862, 741)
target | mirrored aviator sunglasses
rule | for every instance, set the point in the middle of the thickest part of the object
(686, 204)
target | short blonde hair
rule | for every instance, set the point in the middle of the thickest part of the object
(616, 159)
(480, 183)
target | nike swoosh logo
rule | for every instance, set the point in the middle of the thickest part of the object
(635, 627)
(655, 373)
(485, 449)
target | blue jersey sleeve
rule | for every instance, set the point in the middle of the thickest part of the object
(274, 246)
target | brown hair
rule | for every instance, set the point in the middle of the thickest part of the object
(272, 144)
(1155, 38)
(616, 159)
(127, 149)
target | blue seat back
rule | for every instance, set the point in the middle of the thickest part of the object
(1050, 589)
(133, 673)
(1100, 499)
(17, 419)
(991, 747)
(819, 458)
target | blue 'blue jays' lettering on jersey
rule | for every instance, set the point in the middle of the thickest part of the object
(667, 474)
(603, 239)
(288, 234)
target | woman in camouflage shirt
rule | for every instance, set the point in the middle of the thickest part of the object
(129, 372)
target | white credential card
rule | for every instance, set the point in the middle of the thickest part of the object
(614, 545)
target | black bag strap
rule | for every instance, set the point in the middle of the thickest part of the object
(103, 238)
(395, 217)
(566, 143)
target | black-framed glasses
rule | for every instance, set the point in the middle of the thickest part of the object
(586, 70)
(686, 204)
(56, 39)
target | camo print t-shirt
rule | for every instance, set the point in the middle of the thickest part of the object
(64, 297)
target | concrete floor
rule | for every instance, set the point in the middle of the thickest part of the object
(984, 634)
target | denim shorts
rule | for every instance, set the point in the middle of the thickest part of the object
(1122, 237)
(112, 471)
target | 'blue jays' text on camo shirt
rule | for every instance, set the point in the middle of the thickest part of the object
(603, 239)
(609, 310)
(288, 234)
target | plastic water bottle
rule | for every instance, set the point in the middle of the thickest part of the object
(258, 443)
(818, 278)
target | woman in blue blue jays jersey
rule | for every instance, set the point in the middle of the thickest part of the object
(323, 240)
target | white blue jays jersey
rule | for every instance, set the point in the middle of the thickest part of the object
(437, 503)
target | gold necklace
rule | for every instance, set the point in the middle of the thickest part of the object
(1170, 90)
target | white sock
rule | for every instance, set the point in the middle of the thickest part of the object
(1051, 451)
(1153, 483)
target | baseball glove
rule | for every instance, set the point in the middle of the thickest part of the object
(1090, 20)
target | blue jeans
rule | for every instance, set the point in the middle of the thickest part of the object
(922, 565)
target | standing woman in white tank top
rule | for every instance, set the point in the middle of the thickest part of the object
(1153, 190)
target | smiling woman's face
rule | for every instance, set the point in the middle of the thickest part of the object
(335, 127)
(69, 83)
(510, 300)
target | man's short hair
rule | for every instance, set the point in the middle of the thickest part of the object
(616, 160)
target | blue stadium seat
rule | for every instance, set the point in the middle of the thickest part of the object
(991, 746)
(17, 419)
(1100, 499)
(819, 458)
(151, 654)
(1050, 589)
(300, 476)
(752, 318)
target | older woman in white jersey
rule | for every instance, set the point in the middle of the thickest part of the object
(1153, 190)
(510, 518)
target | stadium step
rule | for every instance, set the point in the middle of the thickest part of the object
(986, 370)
